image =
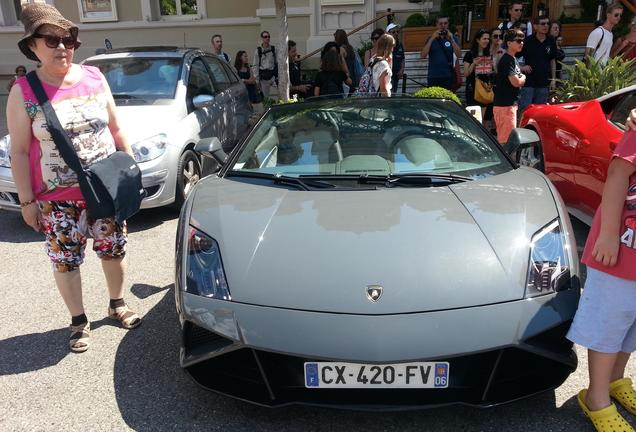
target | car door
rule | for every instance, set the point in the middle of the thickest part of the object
(241, 107)
(595, 150)
(226, 127)
(200, 84)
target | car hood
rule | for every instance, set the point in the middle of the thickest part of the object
(144, 121)
(429, 248)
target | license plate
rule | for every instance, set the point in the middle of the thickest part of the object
(356, 375)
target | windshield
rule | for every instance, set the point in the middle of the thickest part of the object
(140, 78)
(370, 137)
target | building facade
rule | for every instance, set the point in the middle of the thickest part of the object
(192, 22)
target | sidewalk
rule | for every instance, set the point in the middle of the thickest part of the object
(3, 116)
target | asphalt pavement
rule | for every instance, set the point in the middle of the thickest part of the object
(131, 380)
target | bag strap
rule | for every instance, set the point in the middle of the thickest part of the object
(600, 41)
(59, 135)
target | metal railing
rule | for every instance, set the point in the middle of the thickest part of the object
(388, 13)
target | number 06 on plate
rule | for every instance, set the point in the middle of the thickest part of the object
(357, 375)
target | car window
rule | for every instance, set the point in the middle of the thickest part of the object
(199, 82)
(220, 76)
(370, 136)
(622, 110)
(140, 77)
(230, 73)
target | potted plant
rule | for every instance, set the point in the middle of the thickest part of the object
(437, 93)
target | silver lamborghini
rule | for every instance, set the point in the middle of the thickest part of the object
(379, 253)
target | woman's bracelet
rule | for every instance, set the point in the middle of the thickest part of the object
(27, 203)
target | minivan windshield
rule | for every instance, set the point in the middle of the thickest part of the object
(370, 137)
(140, 77)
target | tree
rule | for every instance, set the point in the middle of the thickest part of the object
(281, 51)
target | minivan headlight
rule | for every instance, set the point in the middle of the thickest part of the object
(5, 152)
(150, 148)
(549, 264)
(204, 268)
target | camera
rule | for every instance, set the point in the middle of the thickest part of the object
(443, 33)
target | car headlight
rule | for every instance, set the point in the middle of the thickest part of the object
(5, 152)
(204, 268)
(150, 148)
(549, 266)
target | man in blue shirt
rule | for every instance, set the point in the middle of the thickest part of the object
(442, 50)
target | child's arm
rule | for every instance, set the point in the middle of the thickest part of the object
(606, 247)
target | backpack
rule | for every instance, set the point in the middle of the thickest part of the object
(358, 70)
(366, 85)
(260, 56)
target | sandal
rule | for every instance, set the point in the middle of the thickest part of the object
(606, 419)
(127, 318)
(623, 392)
(80, 337)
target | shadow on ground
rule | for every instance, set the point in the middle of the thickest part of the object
(153, 393)
(15, 230)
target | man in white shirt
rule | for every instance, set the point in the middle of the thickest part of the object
(515, 10)
(265, 67)
(217, 47)
(599, 42)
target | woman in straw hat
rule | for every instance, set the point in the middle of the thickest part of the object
(50, 198)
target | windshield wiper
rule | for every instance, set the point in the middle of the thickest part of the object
(302, 184)
(413, 179)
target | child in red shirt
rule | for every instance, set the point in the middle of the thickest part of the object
(605, 321)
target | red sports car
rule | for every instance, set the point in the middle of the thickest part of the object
(576, 144)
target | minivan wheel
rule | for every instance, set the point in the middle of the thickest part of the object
(188, 175)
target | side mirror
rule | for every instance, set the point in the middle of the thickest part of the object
(211, 147)
(203, 100)
(521, 138)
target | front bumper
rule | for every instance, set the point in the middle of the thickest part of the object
(497, 353)
(8, 193)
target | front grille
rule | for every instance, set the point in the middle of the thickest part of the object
(482, 379)
(197, 339)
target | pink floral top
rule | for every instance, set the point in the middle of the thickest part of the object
(82, 111)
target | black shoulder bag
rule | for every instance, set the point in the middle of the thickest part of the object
(112, 186)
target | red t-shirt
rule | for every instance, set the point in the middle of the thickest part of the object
(626, 264)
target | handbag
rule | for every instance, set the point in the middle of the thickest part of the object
(483, 92)
(111, 186)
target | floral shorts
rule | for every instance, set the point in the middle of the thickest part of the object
(66, 226)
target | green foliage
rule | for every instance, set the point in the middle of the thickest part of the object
(590, 79)
(437, 93)
(269, 102)
(416, 20)
(364, 46)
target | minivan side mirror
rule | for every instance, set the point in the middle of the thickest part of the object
(521, 138)
(211, 147)
(203, 100)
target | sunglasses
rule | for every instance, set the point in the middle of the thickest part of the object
(617, 15)
(265, 37)
(496, 36)
(518, 10)
(544, 23)
(375, 38)
(53, 41)
(519, 40)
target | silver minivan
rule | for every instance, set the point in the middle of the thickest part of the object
(167, 99)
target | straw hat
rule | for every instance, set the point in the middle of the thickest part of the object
(35, 15)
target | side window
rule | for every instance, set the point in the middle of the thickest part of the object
(220, 76)
(622, 110)
(199, 82)
(230, 73)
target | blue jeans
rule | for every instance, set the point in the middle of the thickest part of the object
(532, 95)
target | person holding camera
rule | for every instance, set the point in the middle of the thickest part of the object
(442, 49)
